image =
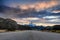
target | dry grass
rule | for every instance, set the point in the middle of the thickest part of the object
(2, 31)
(58, 31)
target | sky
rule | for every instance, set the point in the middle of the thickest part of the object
(40, 12)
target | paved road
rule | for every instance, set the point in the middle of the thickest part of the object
(29, 35)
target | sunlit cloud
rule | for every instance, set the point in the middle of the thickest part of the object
(40, 5)
(37, 5)
(30, 18)
(44, 24)
(56, 11)
(45, 5)
(51, 17)
(54, 20)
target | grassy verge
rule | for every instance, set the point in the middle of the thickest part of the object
(2, 31)
(57, 31)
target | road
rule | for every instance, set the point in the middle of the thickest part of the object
(29, 35)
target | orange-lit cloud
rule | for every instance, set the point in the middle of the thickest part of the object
(20, 21)
(40, 5)
(45, 5)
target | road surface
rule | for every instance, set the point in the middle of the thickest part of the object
(29, 35)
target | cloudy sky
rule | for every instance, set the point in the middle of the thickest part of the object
(40, 12)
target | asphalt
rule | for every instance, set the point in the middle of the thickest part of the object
(29, 35)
